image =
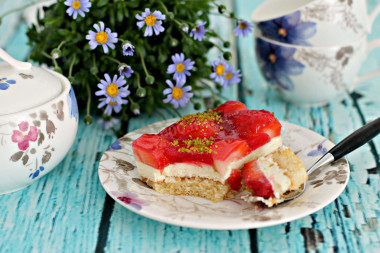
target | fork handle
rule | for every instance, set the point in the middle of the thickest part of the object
(356, 139)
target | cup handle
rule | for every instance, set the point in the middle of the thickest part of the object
(372, 16)
(13, 62)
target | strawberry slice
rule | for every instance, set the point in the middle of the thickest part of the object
(227, 151)
(253, 122)
(255, 180)
(231, 107)
(148, 150)
(235, 180)
(255, 141)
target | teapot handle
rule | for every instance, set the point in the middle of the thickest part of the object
(13, 62)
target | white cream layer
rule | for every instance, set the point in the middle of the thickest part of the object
(205, 171)
(280, 182)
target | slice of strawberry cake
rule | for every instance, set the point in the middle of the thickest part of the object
(218, 153)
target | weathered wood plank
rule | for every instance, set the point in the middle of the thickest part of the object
(130, 232)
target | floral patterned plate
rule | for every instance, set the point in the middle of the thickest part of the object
(120, 178)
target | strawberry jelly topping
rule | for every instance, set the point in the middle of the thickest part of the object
(194, 139)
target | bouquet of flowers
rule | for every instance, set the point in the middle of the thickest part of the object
(127, 57)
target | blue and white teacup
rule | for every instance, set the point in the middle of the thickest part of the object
(314, 22)
(312, 76)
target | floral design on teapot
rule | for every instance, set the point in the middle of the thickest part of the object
(31, 137)
(24, 134)
(4, 83)
(72, 103)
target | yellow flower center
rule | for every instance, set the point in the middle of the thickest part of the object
(177, 93)
(180, 67)
(2, 81)
(282, 32)
(242, 25)
(272, 58)
(112, 90)
(228, 76)
(150, 20)
(101, 37)
(112, 103)
(76, 5)
(219, 70)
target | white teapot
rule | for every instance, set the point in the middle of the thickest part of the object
(38, 122)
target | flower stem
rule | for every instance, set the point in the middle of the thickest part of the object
(214, 3)
(130, 99)
(72, 65)
(138, 79)
(61, 44)
(46, 55)
(111, 59)
(143, 62)
(93, 61)
(88, 99)
(218, 47)
(52, 58)
(164, 7)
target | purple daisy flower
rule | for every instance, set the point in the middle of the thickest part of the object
(128, 49)
(177, 95)
(101, 37)
(4, 83)
(180, 68)
(125, 70)
(113, 89)
(277, 63)
(219, 67)
(77, 7)
(198, 33)
(111, 106)
(289, 29)
(231, 76)
(152, 21)
(243, 28)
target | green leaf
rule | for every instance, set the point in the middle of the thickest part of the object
(101, 3)
(120, 14)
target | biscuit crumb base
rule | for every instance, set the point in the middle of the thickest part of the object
(198, 187)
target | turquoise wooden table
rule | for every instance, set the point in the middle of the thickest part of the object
(68, 210)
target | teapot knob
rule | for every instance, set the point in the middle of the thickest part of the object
(13, 62)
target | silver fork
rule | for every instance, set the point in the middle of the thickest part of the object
(346, 146)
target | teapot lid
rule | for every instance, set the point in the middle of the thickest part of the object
(23, 86)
